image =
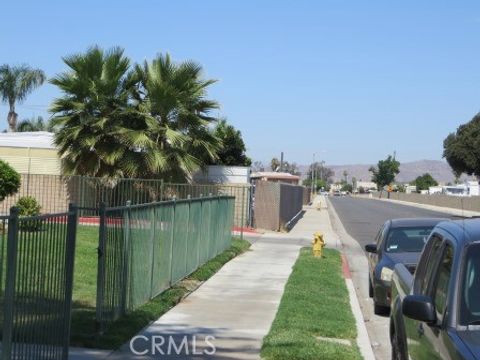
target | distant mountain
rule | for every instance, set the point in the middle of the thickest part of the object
(440, 171)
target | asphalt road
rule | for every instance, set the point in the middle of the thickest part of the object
(362, 218)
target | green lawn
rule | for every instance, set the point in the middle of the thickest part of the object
(85, 278)
(315, 303)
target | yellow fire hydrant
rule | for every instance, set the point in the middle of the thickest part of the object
(318, 244)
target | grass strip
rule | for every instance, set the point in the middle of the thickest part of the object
(122, 330)
(315, 303)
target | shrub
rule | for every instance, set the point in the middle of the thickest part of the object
(9, 180)
(29, 206)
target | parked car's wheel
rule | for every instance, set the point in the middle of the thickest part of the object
(370, 287)
(396, 352)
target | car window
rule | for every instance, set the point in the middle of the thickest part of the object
(379, 235)
(470, 293)
(444, 272)
(412, 239)
(430, 265)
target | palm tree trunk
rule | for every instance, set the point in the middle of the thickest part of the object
(12, 119)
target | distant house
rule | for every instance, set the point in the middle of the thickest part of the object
(219, 174)
(30, 152)
(279, 177)
(366, 185)
(435, 190)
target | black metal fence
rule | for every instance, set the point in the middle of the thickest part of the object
(145, 249)
(37, 260)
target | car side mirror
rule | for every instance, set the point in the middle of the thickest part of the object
(420, 308)
(371, 248)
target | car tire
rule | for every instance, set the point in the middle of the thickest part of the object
(396, 351)
(370, 288)
(380, 309)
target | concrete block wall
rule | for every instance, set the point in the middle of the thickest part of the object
(456, 202)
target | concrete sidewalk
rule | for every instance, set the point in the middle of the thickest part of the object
(315, 218)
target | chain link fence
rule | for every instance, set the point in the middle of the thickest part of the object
(145, 249)
(55, 192)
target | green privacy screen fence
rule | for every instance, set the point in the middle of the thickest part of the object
(144, 249)
(37, 258)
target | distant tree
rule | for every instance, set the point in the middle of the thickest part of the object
(232, 151)
(345, 175)
(16, 83)
(385, 172)
(424, 182)
(34, 124)
(347, 187)
(319, 185)
(400, 188)
(275, 164)
(361, 190)
(9, 180)
(461, 149)
(321, 172)
(258, 166)
(354, 183)
(291, 168)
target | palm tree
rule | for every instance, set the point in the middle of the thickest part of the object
(94, 128)
(150, 121)
(172, 99)
(16, 83)
(34, 124)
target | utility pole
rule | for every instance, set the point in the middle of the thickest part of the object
(322, 164)
(313, 172)
(281, 162)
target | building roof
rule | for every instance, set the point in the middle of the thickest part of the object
(275, 175)
(34, 139)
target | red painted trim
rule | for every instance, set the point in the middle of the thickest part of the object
(345, 268)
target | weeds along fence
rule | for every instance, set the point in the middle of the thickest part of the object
(145, 249)
(36, 280)
(55, 192)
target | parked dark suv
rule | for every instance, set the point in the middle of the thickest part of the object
(398, 241)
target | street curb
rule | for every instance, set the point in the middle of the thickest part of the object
(446, 210)
(363, 340)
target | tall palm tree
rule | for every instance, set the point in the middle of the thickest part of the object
(95, 125)
(34, 124)
(16, 83)
(150, 121)
(172, 99)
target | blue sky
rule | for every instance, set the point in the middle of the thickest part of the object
(349, 80)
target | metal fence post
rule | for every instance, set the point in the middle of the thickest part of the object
(69, 268)
(12, 247)
(161, 190)
(243, 213)
(126, 257)
(100, 270)
(153, 226)
(188, 233)
(174, 206)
